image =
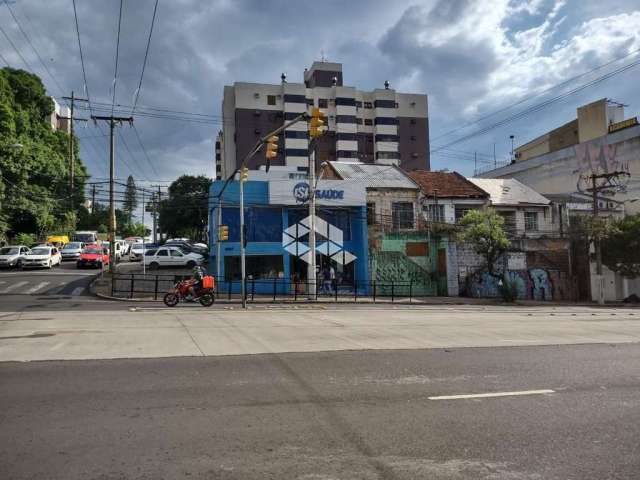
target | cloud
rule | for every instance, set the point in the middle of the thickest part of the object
(470, 56)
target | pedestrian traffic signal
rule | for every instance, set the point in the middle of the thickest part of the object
(244, 174)
(223, 233)
(317, 124)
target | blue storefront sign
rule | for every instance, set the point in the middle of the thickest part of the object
(277, 221)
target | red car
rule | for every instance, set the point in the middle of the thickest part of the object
(93, 256)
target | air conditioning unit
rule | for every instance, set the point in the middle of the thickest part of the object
(256, 95)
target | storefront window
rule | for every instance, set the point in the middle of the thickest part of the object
(259, 267)
(264, 224)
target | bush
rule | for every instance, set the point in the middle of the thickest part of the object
(508, 291)
(24, 239)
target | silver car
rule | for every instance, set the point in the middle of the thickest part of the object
(72, 251)
(12, 256)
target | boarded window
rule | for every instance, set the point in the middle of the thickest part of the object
(417, 249)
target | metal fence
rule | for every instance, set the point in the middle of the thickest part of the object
(269, 289)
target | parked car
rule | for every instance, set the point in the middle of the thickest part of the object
(12, 256)
(171, 257)
(93, 256)
(124, 248)
(71, 251)
(137, 250)
(188, 247)
(42, 257)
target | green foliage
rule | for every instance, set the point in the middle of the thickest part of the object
(483, 231)
(621, 247)
(34, 178)
(185, 212)
(24, 239)
(102, 228)
(133, 230)
(130, 200)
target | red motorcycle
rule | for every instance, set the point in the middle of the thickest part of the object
(182, 292)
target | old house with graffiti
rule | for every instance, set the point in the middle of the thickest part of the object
(600, 140)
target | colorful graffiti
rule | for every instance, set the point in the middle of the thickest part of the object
(532, 284)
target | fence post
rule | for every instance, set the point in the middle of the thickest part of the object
(295, 291)
(392, 291)
(113, 282)
(355, 290)
(410, 289)
(335, 286)
(253, 289)
(155, 289)
(274, 288)
(374, 291)
(131, 288)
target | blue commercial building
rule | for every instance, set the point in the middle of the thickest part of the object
(276, 220)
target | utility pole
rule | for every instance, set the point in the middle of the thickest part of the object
(144, 232)
(311, 268)
(596, 243)
(113, 122)
(158, 214)
(72, 163)
(154, 206)
(93, 198)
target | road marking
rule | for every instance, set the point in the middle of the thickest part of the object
(77, 291)
(491, 395)
(37, 287)
(13, 287)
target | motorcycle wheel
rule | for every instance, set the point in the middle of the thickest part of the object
(207, 299)
(171, 299)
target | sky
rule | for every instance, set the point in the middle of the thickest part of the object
(472, 59)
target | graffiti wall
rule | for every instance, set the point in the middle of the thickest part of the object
(530, 284)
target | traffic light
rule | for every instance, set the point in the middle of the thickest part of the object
(223, 233)
(317, 124)
(271, 149)
(244, 174)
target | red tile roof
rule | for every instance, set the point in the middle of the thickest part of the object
(448, 184)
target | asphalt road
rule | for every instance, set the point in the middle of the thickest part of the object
(65, 279)
(338, 415)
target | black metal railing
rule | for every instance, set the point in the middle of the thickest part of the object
(271, 289)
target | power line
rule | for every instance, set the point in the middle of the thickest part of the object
(32, 47)
(15, 48)
(540, 106)
(529, 97)
(115, 75)
(145, 151)
(84, 73)
(146, 54)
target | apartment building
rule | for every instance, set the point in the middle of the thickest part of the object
(382, 126)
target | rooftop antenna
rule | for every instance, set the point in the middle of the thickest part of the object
(323, 59)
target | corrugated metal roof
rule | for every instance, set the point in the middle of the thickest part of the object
(374, 176)
(509, 191)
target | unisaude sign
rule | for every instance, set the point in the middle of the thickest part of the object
(328, 192)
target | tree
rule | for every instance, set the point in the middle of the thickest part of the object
(185, 212)
(621, 247)
(130, 199)
(34, 179)
(483, 231)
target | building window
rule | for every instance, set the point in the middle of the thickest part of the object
(291, 98)
(346, 136)
(461, 212)
(310, 102)
(402, 215)
(385, 104)
(346, 154)
(359, 121)
(368, 121)
(387, 155)
(322, 103)
(345, 101)
(386, 121)
(395, 104)
(386, 138)
(531, 221)
(358, 104)
(368, 105)
(371, 213)
(271, 99)
(435, 213)
(509, 225)
(257, 267)
(345, 118)
(295, 134)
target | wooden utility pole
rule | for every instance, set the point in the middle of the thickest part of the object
(93, 198)
(113, 122)
(72, 162)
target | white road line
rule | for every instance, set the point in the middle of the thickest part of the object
(13, 287)
(37, 287)
(491, 395)
(77, 291)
